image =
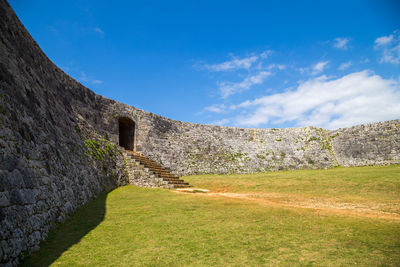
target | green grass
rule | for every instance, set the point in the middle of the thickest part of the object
(375, 182)
(154, 227)
(368, 185)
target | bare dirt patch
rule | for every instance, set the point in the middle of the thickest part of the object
(370, 210)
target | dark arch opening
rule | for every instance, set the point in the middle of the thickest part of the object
(126, 133)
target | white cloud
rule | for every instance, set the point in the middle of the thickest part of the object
(234, 64)
(216, 108)
(277, 66)
(314, 69)
(341, 43)
(230, 88)
(221, 122)
(265, 54)
(384, 40)
(255, 67)
(319, 67)
(99, 31)
(359, 97)
(345, 65)
(389, 46)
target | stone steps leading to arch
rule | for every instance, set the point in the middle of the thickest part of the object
(146, 173)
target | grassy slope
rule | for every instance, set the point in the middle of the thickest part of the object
(155, 227)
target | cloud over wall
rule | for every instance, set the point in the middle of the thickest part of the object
(359, 97)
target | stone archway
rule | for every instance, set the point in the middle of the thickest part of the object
(126, 133)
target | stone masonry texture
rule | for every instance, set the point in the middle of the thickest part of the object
(59, 144)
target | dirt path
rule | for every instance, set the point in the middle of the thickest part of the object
(373, 210)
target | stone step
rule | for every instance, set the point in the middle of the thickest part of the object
(169, 178)
(177, 182)
(180, 186)
(168, 174)
(151, 169)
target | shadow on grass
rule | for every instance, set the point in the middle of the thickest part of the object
(70, 232)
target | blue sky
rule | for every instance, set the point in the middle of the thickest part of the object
(235, 63)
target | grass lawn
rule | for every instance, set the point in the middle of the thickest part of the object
(373, 187)
(133, 226)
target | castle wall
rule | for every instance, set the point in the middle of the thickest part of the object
(188, 148)
(368, 144)
(58, 143)
(51, 158)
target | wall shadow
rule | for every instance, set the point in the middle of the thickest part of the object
(68, 233)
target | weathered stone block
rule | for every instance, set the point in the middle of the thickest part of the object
(4, 199)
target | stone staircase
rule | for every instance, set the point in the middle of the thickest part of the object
(146, 173)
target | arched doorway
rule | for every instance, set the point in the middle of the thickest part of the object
(126, 133)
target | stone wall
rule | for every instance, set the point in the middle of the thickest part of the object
(58, 143)
(52, 159)
(368, 144)
(187, 148)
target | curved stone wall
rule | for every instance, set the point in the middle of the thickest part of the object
(187, 148)
(58, 143)
(368, 144)
(52, 160)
